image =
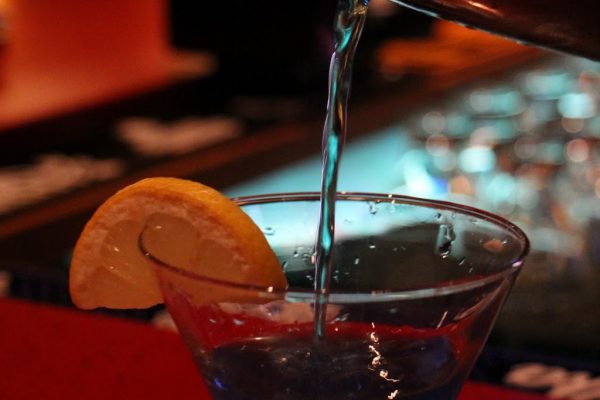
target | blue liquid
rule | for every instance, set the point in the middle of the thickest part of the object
(334, 368)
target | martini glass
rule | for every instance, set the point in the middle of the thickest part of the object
(415, 290)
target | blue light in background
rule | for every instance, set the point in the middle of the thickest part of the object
(477, 159)
(577, 105)
(368, 165)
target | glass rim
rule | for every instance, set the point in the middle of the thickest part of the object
(296, 294)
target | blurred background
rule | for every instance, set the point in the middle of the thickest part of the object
(96, 95)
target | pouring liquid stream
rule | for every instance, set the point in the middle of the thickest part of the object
(349, 21)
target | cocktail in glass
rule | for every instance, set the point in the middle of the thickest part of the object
(415, 289)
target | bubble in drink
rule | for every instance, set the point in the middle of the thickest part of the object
(446, 237)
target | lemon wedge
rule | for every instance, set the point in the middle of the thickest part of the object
(203, 232)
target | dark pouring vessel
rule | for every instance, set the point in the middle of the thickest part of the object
(568, 26)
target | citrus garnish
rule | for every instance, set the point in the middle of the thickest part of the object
(204, 231)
